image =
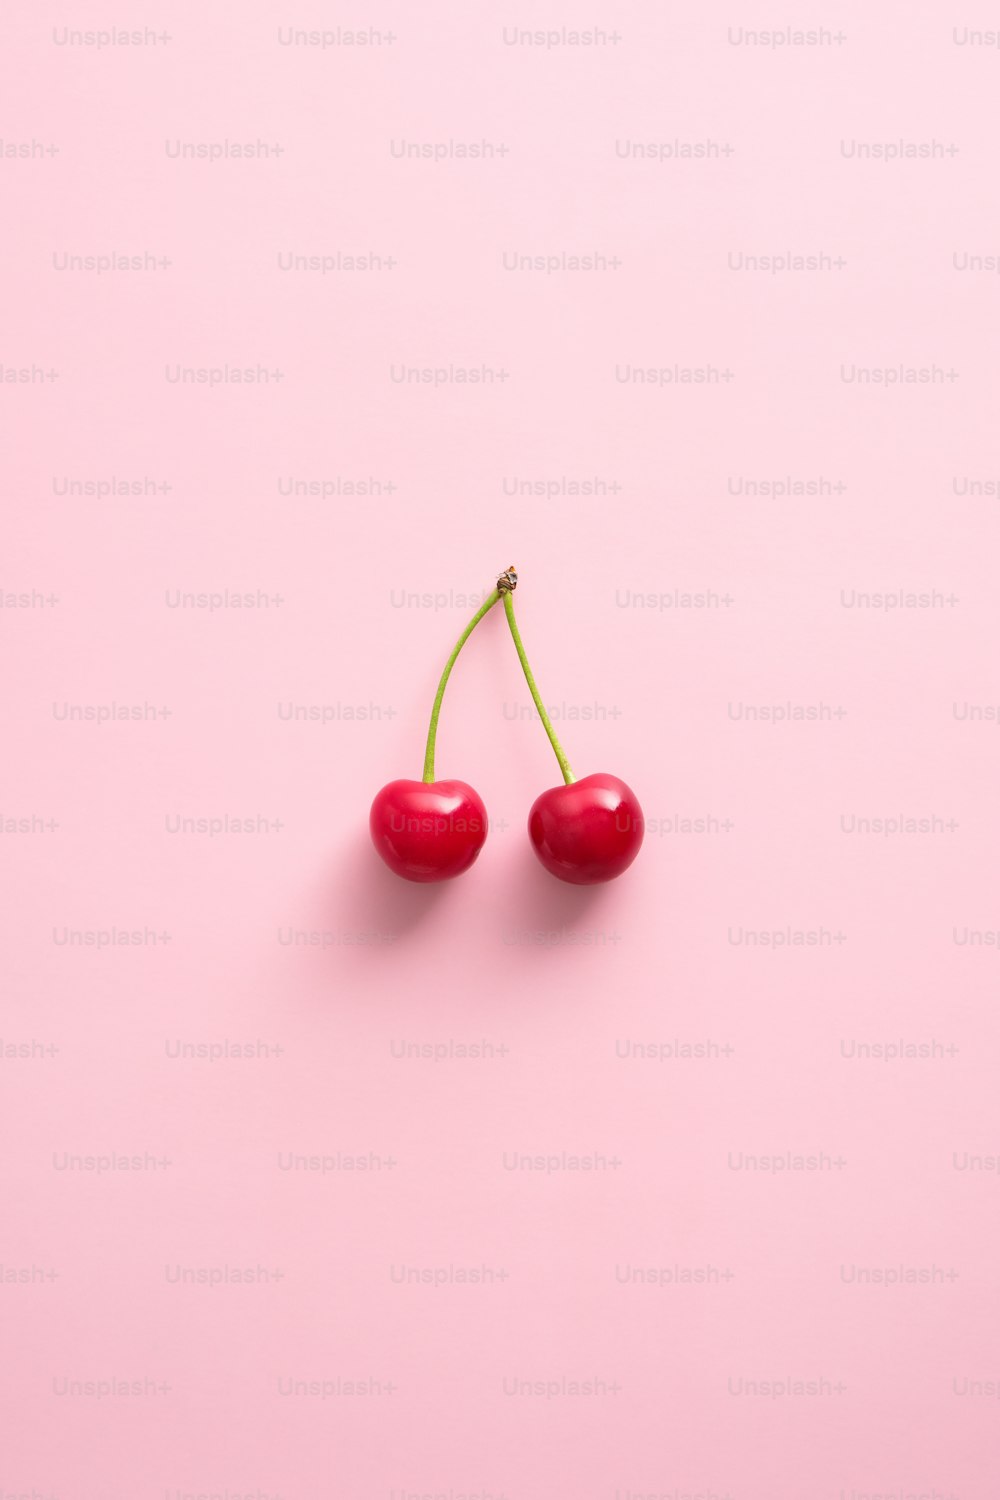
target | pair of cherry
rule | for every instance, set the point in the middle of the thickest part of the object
(584, 832)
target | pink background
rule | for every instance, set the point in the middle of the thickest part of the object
(751, 1276)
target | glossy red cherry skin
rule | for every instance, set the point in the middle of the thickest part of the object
(428, 830)
(588, 831)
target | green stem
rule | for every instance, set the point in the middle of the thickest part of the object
(436, 710)
(568, 777)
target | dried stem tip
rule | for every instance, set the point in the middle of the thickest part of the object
(507, 582)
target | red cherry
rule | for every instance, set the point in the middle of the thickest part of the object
(587, 831)
(428, 830)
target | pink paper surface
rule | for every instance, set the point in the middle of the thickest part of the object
(321, 1185)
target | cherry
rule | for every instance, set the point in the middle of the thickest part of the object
(583, 832)
(587, 831)
(432, 830)
(428, 830)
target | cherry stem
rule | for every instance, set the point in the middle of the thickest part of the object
(508, 604)
(436, 710)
